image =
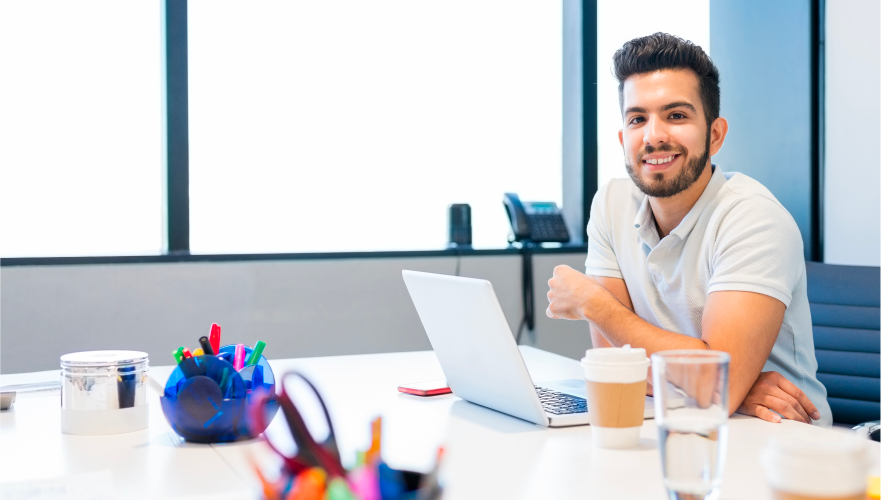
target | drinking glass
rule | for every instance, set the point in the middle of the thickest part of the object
(691, 412)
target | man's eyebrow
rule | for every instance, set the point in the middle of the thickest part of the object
(666, 107)
(678, 104)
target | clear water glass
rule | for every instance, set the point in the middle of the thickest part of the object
(691, 412)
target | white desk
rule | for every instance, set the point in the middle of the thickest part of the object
(489, 455)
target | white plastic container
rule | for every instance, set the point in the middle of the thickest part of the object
(616, 387)
(827, 464)
(104, 392)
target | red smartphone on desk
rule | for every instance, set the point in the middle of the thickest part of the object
(430, 388)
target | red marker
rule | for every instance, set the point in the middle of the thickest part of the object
(214, 337)
(187, 353)
(239, 360)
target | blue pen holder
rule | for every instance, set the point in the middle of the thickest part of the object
(207, 401)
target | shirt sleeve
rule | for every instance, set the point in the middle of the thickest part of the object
(758, 249)
(601, 258)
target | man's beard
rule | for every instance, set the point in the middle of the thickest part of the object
(660, 188)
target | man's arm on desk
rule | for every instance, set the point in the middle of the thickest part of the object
(743, 324)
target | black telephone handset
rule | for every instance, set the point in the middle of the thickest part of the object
(537, 221)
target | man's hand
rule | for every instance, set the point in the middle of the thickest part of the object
(743, 324)
(572, 294)
(773, 392)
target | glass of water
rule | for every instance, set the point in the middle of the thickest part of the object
(691, 412)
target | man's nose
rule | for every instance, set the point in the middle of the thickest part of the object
(656, 132)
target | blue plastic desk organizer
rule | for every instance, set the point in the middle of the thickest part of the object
(206, 400)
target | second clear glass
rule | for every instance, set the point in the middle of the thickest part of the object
(691, 411)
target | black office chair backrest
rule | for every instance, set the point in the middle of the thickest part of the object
(846, 313)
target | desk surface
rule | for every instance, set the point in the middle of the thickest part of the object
(488, 454)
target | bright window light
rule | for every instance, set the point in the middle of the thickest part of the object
(618, 22)
(352, 125)
(81, 128)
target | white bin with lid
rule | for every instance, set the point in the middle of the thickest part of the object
(104, 392)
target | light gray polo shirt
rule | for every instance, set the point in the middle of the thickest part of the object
(736, 237)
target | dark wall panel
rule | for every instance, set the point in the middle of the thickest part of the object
(763, 51)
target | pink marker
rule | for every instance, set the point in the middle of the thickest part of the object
(238, 361)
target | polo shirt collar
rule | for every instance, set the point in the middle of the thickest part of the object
(710, 192)
(644, 217)
(644, 224)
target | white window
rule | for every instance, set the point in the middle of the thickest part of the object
(352, 125)
(81, 128)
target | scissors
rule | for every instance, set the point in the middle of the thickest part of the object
(310, 453)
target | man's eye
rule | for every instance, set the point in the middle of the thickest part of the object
(637, 119)
(677, 116)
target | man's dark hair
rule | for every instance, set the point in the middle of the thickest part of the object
(662, 51)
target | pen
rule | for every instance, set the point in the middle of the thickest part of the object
(268, 489)
(224, 382)
(207, 348)
(198, 352)
(125, 386)
(179, 354)
(256, 353)
(214, 337)
(239, 360)
(429, 488)
(186, 364)
(373, 453)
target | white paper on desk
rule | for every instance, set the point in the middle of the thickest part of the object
(88, 486)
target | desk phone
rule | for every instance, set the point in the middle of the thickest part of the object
(537, 221)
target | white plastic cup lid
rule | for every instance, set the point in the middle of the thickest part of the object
(615, 364)
(835, 448)
(615, 355)
(827, 462)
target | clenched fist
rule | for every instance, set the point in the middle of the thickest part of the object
(573, 295)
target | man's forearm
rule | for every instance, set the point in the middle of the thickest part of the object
(621, 326)
(743, 324)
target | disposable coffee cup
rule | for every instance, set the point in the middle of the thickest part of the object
(825, 465)
(616, 382)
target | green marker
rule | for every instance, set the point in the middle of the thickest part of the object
(256, 353)
(338, 489)
(179, 354)
(224, 383)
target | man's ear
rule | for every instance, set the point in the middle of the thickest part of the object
(718, 132)
(621, 138)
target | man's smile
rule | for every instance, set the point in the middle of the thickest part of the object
(661, 161)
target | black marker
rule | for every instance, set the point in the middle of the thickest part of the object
(125, 387)
(207, 348)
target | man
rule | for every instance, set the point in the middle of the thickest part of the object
(684, 256)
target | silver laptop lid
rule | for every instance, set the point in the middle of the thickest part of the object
(474, 344)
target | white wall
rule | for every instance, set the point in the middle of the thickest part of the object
(298, 307)
(852, 222)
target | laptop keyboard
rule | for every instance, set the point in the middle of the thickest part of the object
(559, 403)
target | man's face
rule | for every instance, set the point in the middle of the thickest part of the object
(665, 137)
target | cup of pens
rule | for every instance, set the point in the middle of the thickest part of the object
(209, 395)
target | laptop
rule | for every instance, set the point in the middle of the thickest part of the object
(481, 360)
